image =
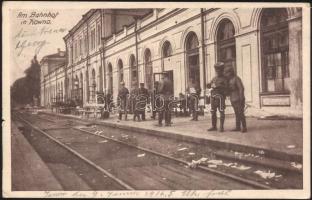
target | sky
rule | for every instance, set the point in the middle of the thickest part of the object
(29, 38)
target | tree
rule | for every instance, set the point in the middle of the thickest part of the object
(24, 89)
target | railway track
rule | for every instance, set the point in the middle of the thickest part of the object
(73, 125)
(158, 170)
(279, 174)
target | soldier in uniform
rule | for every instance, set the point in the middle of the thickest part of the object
(193, 90)
(165, 89)
(154, 99)
(134, 108)
(123, 100)
(219, 88)
(142, 99)
(237, 97)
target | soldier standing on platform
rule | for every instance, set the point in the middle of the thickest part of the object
(193, 90)
(123, 100)
(134, 108)
(237, 97)
(142, 98)
(165, 90)
(154, 99)
(219, 88)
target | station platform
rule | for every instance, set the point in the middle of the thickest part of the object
(29, 172)
(276, 138)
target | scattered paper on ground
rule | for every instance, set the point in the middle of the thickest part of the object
(216, 162)
(203, 159)
(191, 153)
(103, 141)
(182, 149)
(296, 165)
(212, 166)
(241, 167)
(141, 155)
(291, 146)
(265, 175)
(227, 164)
(195, 163)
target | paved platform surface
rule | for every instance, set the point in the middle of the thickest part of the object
(278, 137)
(29, 172)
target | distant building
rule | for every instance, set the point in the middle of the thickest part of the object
(52, 77)
(263, 45)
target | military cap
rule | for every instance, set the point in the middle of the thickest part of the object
(122, 83)
(141, 84)
(219, 65)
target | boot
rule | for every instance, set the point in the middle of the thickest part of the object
(237, 125)
(213, 122)
(222, 117)
(244, 130)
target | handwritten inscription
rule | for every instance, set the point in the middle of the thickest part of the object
(141, 194)
(34, 38)
(24, 44)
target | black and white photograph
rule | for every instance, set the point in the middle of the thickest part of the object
(156, 100)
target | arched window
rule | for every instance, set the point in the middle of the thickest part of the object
(120, 72)
(101, 79)
(110, 78)
(274, 50)
(93, 85)
(62, 89)
(87, 86)
(134, 72)
(166, 50)
(192, 58)
(148, 69)
(226, 44)
(81, 87)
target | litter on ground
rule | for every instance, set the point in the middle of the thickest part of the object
(215, 162)
(103, 141)
(182, 149)
(296, 165)
(141, 155)
(242, 167)
(291, 146)
(265, 175)
(212, 166)
(238, 154)
(228, 164)
(191, 153)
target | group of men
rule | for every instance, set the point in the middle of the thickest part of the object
(137, 99)
(225, 83)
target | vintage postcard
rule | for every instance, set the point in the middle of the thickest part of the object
(156, 100)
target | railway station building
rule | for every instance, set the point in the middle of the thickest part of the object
(107, 46)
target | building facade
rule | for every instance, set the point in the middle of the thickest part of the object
(52, 78)
(263, 45)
